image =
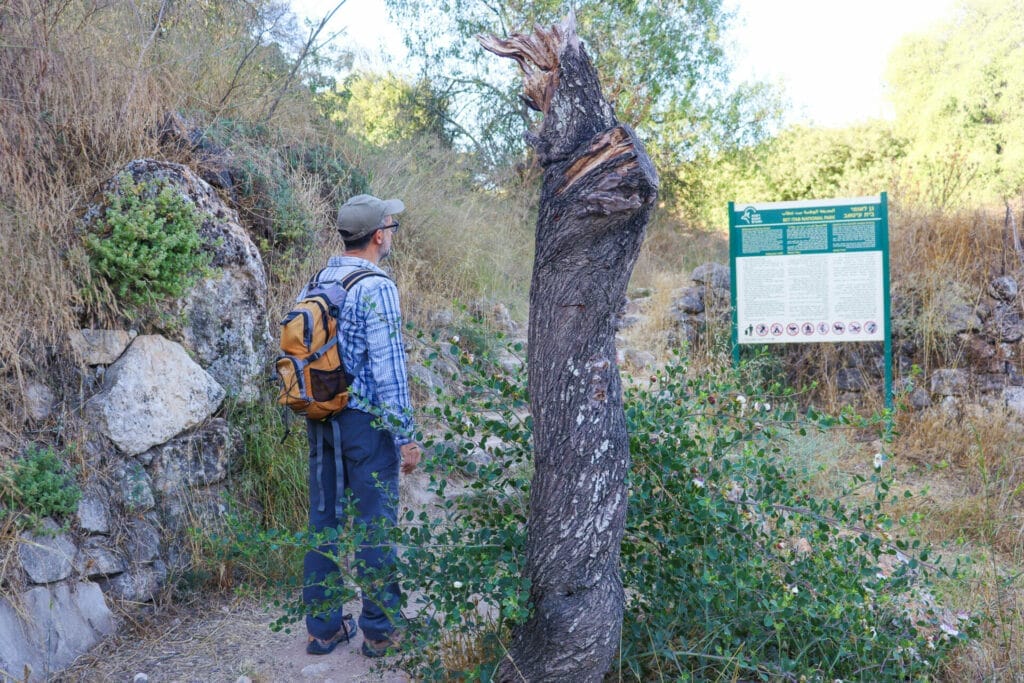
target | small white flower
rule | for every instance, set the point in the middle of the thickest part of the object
(741, 399)
(794, 590)
(948, 630)
(455, 339)
(456, 584)
(698, 482)
(879, 460)
(767, 407)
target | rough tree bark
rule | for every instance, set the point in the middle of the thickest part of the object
(598, 191)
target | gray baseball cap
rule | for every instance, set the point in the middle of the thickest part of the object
(362, 214)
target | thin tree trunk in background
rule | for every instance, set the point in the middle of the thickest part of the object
(598, 191)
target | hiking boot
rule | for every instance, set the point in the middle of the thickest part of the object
(379, 648)
(316, 646)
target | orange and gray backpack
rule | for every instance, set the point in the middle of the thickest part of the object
(314, 380)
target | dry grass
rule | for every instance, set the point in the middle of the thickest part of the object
(940, 261)
(458, 242)
(995, 590)
(84, 86)
(673, 249)
(977, 465)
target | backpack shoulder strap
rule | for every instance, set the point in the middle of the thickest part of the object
(350, 280)
(315, 280)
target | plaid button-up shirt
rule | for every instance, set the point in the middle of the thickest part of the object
(370, 325)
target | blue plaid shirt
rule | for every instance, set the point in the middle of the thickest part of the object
(372, 348)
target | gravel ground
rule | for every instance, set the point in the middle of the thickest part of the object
(221, 639)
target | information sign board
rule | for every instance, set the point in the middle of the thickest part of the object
(810, 271)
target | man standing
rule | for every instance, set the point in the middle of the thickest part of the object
(358, 451)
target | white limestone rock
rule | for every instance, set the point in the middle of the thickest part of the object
(151, 394)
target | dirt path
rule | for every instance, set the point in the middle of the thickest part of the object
(222, 639)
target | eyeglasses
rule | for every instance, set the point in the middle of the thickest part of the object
(393, 226)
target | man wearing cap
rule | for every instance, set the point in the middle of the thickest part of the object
(370, 440)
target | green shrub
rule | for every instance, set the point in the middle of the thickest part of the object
(732, 568)
(37, 486)
(146, 246)
(268, 491)
(274, 470)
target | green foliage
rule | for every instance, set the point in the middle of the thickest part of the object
(241, 555)
(338, 179)
(662, 65)
(266, 182)
(269, 491)
(957, 139)
(146, 246)
(798, 163)
(731, 567)
(958, 90)
(275, 470)
(37, 486)
(267, 198)
(385, 109)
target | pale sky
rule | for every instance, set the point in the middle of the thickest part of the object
(828, 55)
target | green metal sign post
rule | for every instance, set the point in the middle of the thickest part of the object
(814, 271)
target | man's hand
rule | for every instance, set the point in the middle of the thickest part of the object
(410, 457)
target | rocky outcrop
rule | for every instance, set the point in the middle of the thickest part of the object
(47, 627)
(156, 451)
(226, 326)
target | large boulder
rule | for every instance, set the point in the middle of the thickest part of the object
(50, 626)
(712, 274)
(151, 394)
(225, 313)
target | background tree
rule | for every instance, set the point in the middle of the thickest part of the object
(381, 109)
(662, 65)
(958, 90)
(797, 163)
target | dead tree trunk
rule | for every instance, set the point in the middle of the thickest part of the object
(598, 190)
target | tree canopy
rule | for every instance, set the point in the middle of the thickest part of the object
(381, 109)
(662, 64)
(958, 91)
